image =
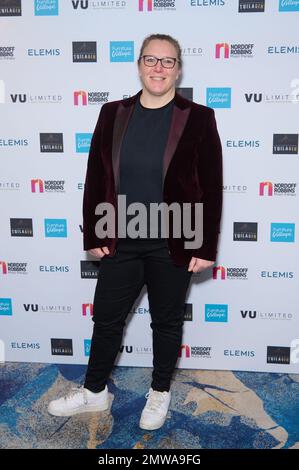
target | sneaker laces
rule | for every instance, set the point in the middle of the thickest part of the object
(76, 390)
(155, 400)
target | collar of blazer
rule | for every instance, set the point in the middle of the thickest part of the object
(179, 101)
(181, 111)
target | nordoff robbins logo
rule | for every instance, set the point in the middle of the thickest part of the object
(186, 220)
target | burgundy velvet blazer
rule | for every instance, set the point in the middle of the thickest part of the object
(192, 171)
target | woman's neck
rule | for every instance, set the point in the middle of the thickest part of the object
(151, 101)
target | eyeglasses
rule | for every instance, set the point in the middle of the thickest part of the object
(166, 62)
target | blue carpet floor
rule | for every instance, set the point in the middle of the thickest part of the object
(208, 410)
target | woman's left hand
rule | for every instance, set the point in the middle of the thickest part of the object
(197, 264)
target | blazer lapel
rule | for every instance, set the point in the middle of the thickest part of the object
(178, 123)
(125, 109)
(123, 114)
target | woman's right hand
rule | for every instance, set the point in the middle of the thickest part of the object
(99, 252)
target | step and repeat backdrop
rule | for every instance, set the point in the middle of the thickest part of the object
(60, 61)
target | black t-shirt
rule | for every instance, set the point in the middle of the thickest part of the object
(141, 157)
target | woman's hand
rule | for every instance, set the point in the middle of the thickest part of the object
(197, 264)
(99, 252)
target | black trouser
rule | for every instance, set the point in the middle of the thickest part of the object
(121, 278)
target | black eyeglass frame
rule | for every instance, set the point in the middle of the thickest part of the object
(158, 60)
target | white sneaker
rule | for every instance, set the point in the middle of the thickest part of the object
(155, 411)
(79, 400)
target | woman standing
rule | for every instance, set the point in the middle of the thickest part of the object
(153, 147)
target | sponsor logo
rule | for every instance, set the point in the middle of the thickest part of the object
(21, 228)
(10, 8)
(186, 93)
(84, 51)
(47, 186)
(288, 5)
(12, 268)
(278, 355)
(257, 315)
(218, 97)
(91, 97)
(61, 347)
(90, 269)
(226, 51)
(36, 308)
(56, 228)
(285, 144)
(46, 7)
(156, 5)
(216, 313)
(223, 273)
(199, 352)
(121, 51)
(83, 142)
(51, 143)
(282, 232)
(5, 306)
(267, 188)
(245, 231)
(251, 6)
(240, 353)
